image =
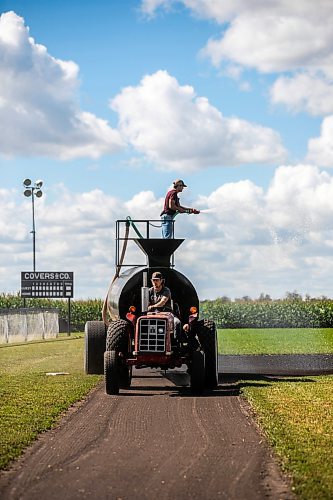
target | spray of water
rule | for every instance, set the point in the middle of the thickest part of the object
(208, 211)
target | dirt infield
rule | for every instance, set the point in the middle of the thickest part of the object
(154, 440)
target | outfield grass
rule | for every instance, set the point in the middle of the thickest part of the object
(276, 341)
(296, 414)
(297, 417)
(31, 401)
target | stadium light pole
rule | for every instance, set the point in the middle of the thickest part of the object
(33, 190)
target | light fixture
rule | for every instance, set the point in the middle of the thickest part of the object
(33, 191)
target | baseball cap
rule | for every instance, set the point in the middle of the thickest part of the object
(157, 275)
(179, 182)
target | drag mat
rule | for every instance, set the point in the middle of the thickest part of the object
(154, 440)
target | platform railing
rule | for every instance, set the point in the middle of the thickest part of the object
(128, 230)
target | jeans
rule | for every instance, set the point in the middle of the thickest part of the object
(167, 226)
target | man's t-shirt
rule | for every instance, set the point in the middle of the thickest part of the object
(155, 296)
(171, 195)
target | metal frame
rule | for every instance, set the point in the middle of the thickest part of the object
(126, 222)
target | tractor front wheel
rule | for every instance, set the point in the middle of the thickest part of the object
(118, 336)
(119, 340)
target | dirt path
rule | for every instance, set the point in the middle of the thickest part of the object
(153, 441)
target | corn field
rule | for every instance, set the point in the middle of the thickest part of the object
(314, 313)
(286, 313)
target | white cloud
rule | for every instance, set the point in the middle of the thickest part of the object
(304, 92)
(277, 39)
(251, 241)
(176, 129)
(205, 9)
(271, 37)
(320, 149)
(39, 110)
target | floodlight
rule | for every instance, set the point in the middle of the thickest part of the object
(39, 183)
(39, 194)
(27, 182)
(27, 192)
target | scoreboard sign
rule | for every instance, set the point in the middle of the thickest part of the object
(47, 284)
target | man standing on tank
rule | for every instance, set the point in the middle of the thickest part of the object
(171, 207)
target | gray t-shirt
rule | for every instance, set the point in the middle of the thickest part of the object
(155, 296)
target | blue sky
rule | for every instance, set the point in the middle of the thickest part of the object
(109, 101)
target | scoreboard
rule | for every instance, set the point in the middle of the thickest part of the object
(48, 284)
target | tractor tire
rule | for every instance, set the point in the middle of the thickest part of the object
(197, 373)
(111, 372)
(117, 338)
(95, 337)
(124, 375)
(207, 335)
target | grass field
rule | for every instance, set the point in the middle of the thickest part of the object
(296, 414)
(297, 417)
(32, 401)
(276, 341)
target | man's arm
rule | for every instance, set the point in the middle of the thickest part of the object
(182, 210)
(161, 303)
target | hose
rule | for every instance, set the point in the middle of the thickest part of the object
(128, 218)
(122, 256)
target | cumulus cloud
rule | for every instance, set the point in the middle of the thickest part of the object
(320, 149)
(274, 36)
(74, 233)
(271, 37)
(39, 109)
(212, 9)
(251, 240)
(277, 39)
(304, 92)
(274, 240)
(174, 128)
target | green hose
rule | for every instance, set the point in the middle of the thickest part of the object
(134, 226)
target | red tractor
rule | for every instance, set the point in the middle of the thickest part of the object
(137, 338)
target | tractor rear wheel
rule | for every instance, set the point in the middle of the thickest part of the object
(95, 337)
(111, 372)
(197, 373)
(207, 334)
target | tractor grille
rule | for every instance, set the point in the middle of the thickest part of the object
(152, 335)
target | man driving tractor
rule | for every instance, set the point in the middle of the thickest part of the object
(160, 299)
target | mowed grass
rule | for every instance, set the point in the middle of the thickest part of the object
(296, 415)
(30, 400)
(276, 341)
